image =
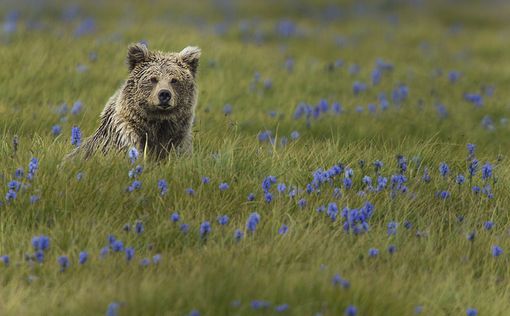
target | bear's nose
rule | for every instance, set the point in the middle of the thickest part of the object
(164, 96)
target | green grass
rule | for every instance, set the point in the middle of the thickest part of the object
(441, 270)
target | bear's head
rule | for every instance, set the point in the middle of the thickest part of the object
(161, 83)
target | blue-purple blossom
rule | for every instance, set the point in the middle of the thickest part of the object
(351, 311)
(10, 195)
(337, 108)
(162, 186)
(139, 227)
(358, 87)
(259, 304)
(11, 21)
(347, 183)
(133, 154)
(286, 28)
(332, 211)
(194, 313)
(77, 107)
(33, 165)
(5, 259)
(283, 229)
(87, 26)
(356, 220)
(443, 195)
(473, 167)
(130, 253)
(471, 312)
(133, 173)
(486, 171)
(367, 181)
(113, 309)
(39, 256)
(392, 228)
(474, 98)
(223, 186)
(184, 228)
(381, 183)
(338, 280)
(111, 239)
(471, 149)
(268, 197)
(281, 308)
(378, 165)
(227, 109)
(426, 175)
(265, 136)
(373, 252)
(135, 185)
(19, 173)
(83, 257)
(289, 64)
(400, 94)
(238, 234)
(402, 163)
(56, 130)
(471, 236)
(41, 242)
(76, 136)
(253, 221)
(223, 220)
(497, 251)
(14, 185)
(104, 252)
(63, 261)
(205, 229)
(267, 182)
(453, 76)
(376, 76)
(444, 170)
(117, 246)
(175, 217)
(384, 104)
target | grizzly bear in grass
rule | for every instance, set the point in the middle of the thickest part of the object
(154, 108)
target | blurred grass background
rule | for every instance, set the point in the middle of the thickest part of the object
(263, 59)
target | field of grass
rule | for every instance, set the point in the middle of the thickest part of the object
(348, 123)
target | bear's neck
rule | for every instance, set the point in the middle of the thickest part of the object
(158, 134)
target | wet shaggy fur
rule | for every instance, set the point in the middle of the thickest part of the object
(135, 116)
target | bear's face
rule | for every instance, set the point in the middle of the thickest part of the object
(160, 83)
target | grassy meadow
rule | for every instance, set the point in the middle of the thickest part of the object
(331, 172)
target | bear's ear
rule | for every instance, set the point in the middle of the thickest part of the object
(137, 53)
(190, 56)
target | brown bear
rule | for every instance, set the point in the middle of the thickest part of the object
(154, 108)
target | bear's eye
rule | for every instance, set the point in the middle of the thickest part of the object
(173, 80)
(154, 80)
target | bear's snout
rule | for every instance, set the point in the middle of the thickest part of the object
(164, 96)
